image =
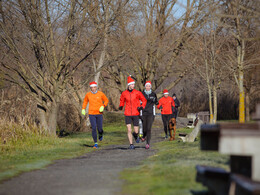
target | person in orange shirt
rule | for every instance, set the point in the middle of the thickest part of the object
(165, 105)
(97, 102)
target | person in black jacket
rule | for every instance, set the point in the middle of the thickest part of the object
(148, 112)
(175, 109)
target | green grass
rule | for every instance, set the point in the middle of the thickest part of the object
(31, 149)
(171, 170)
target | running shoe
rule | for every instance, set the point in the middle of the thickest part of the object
(166, 137)
(131, 147)
(95, 145)
(143, 139)
(135, 135)
(100, 137)
(147, 146)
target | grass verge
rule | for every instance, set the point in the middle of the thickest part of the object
(171, 170)
(29, 149)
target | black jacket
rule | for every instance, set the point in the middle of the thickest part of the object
(150, 105)
(177, 103)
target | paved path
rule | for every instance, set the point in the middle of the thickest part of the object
(93, 173)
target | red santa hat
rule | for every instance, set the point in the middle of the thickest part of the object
(165, 91)
(130, 81)
(148, 83)
(93, 84)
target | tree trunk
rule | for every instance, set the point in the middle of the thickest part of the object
(215, 104)
(53, 118)
(210, 104)
(43, 121)
(101, 59)
(48, 119)
(240, 58)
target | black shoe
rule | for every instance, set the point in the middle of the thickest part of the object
(135, 135)
(100, 137)
(131, 147)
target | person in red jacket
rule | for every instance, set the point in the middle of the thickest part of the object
(131, 99)
(165, 105)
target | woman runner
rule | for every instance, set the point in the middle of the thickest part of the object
(148, 112)
(165, 105)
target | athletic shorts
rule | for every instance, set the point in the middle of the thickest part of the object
(132, 119)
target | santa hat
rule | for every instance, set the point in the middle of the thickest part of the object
(130, 81)
(165, 91)
(148, 83)
(93, 84)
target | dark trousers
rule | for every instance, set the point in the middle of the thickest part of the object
(147, 127)
(96, 122)
(166, 118)
(175, 113)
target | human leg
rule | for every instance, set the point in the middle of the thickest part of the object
(99, 119)
(150, 120)
(144, 126)
(93, 123)
(129, 133)
(165, 124)
(136, 127)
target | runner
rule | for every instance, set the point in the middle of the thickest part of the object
(131, 99)
(175, 110)
(148, 113)
(165, 105)
(97, 102)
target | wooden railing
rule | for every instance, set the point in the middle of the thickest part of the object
(242, 143)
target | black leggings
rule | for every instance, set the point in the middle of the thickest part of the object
(166, 118)
(147, 126)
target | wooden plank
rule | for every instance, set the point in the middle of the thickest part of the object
(241, 165)
(209, 137)
(216, 179)
(244, 185)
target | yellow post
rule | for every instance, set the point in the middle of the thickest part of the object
(242, 107)
(211, 117)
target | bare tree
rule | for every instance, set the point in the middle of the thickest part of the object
(241, 18)
(152, 40)
(43, 50)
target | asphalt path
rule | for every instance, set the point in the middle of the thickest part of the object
(94, 173)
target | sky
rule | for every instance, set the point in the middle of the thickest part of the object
(179, 9)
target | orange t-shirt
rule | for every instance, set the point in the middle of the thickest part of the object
(95, 102)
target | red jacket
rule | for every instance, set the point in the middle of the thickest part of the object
(131, 100)
(166, 104)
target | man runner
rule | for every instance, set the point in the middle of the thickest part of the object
(131, 99)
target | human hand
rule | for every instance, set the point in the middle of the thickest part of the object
(120, 108)
(140, 108)
(83, 111)
(101, 109)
